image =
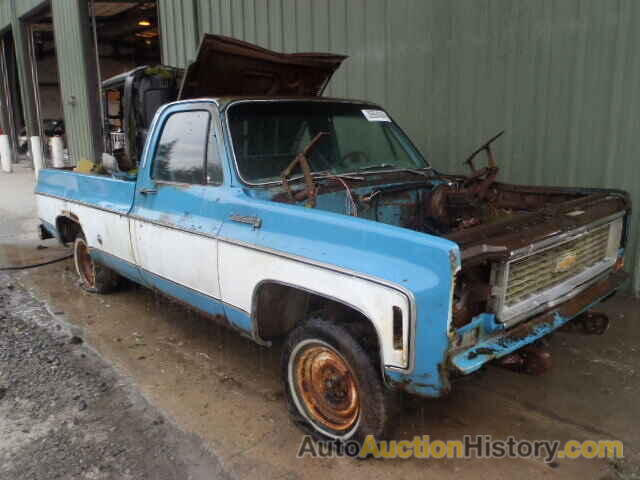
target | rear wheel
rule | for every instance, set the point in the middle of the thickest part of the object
(94, 277)
(334, 388)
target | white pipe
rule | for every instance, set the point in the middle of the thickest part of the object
(5, 154)
(36, 151)
(57, 151)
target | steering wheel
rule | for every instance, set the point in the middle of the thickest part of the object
(355, 158)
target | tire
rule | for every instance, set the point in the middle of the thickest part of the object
(93, 277)
(351, 381)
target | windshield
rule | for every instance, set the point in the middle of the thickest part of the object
(268, 135)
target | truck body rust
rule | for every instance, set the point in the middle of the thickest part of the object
(488, 219)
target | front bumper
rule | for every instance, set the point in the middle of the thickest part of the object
(507, 341)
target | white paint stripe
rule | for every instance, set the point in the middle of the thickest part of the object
(182, 257)
(242, 269)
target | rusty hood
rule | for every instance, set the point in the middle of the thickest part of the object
(230, 67)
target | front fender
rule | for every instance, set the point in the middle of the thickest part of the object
(368, 265)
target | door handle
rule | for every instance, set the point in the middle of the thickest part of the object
(148, 191)
(255, 222)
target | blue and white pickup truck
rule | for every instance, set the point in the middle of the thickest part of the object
(318, 221)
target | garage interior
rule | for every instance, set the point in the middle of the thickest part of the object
(126, 36)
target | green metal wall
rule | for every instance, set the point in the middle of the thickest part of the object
(24, 7)
(78, 77)
(179, 18)
(5, 15)
(561, 76)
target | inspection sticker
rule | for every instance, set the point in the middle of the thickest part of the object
(376, 115)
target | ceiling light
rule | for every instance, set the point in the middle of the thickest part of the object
(144, 23)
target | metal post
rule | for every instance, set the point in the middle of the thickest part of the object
(21, 33)
(5, 153)
(37, 156)
(6, 119)
(79, 83)
(36, 151)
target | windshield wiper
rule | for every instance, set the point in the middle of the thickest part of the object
(387, 166)
(326, 174)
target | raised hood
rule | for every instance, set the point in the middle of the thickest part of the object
(229, 67)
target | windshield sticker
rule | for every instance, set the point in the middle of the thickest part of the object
(376, 115)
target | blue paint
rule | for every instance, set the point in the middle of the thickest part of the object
(239, 319)
(467, 361)
(124, 268)
(102, 191)
(486, 324)
(417, 262)
(202, 302)
(192, 297)
(471, 359)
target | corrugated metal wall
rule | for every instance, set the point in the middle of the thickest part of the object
(561, 76)
(78, 77)
(179, 18)
(5, 15)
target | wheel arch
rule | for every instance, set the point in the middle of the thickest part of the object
(68, 226)
(293, 306)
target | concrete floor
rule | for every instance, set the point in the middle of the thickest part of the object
(227, 390)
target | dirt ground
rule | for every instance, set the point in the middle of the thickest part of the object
(225, 391)
(65, 413)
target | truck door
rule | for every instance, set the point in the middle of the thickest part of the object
(174, 220)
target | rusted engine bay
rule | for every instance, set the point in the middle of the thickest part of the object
(489, 220)
(486, 218)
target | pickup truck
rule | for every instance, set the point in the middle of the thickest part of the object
(317, 221)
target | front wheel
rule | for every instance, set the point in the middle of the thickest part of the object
(334, 388)
(94, 277)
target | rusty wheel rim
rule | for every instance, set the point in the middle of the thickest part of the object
(325, 387)
(84, 264)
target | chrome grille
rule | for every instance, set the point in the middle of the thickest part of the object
(538, 272)
(545, 274)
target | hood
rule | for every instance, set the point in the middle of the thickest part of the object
(229, 67)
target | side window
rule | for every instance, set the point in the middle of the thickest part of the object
(181, 151)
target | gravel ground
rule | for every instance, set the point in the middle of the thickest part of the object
(65, 413)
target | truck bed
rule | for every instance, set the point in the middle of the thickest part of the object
(100, 191)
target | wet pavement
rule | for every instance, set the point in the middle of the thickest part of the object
(213, 383)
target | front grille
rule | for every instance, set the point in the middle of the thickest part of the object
(535, 280)
(538, 272)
